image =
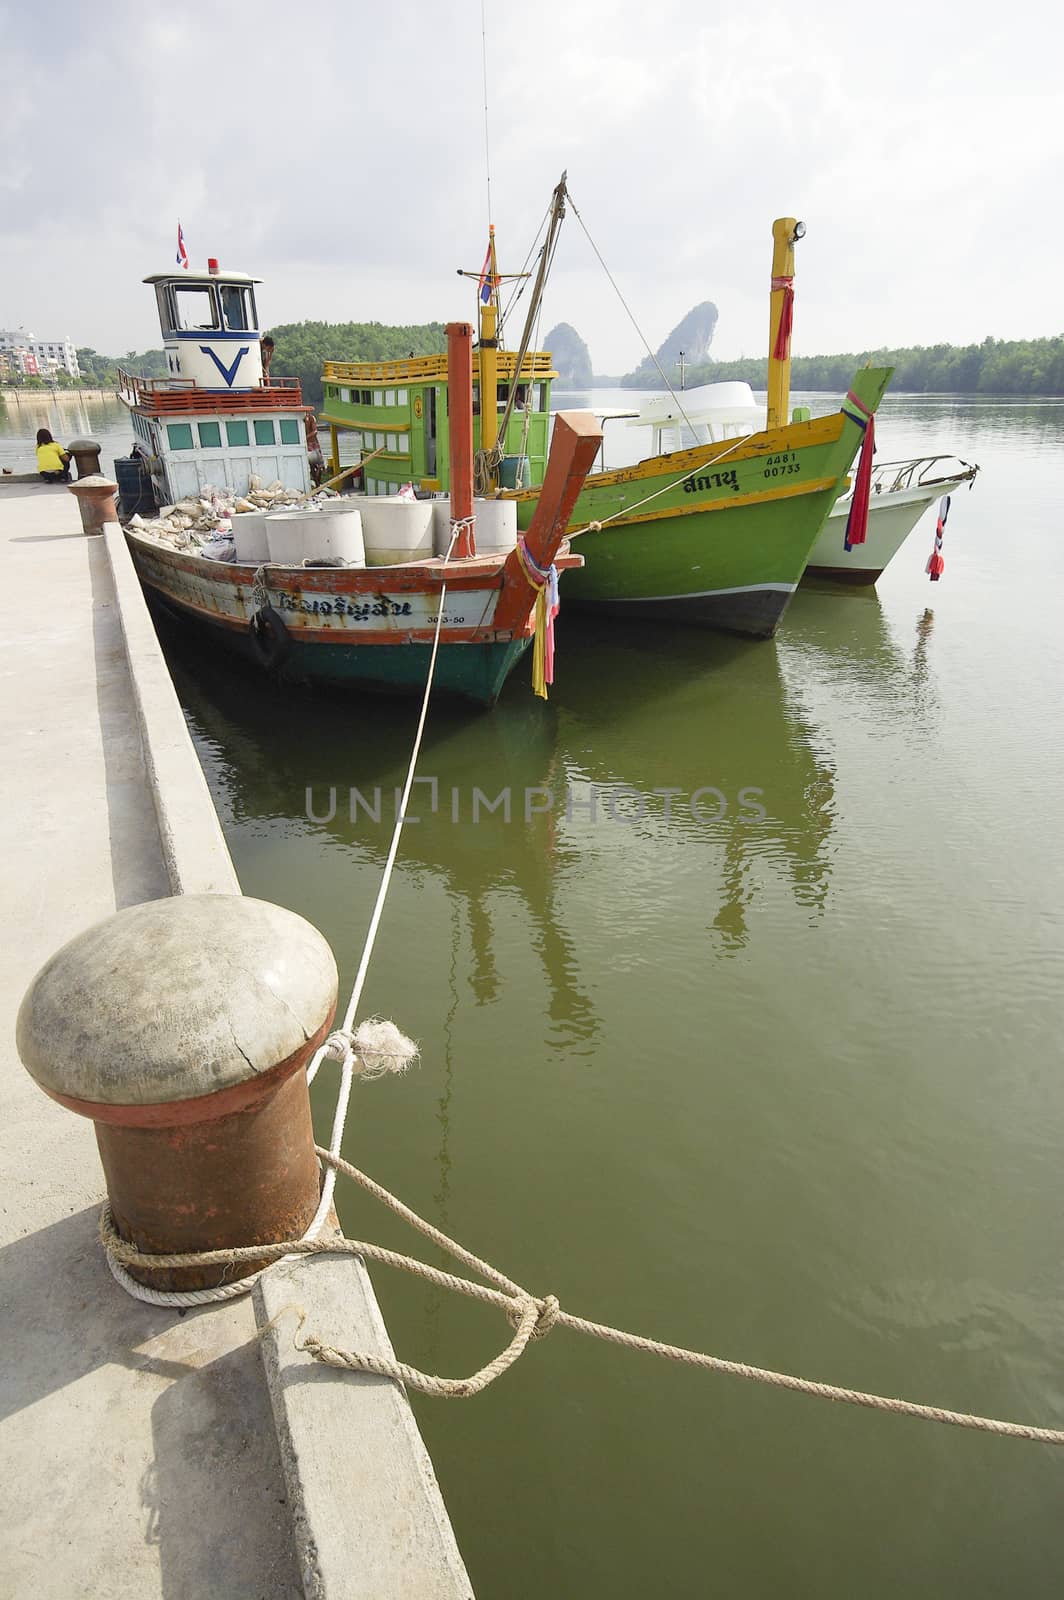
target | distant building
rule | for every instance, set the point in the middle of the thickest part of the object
(38, 358)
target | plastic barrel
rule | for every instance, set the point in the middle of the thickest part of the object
(249, 537)
(394, 531)
(339, 533)
(509, 468)
(290, 536)
(134, 486)
(496, 526)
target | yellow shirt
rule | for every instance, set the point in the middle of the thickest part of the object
(50, 457)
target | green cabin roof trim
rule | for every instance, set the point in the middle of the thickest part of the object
(400, 409)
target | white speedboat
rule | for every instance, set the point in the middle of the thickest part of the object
(901, 492)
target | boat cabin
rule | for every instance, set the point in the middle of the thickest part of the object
(396, 412)
(210, 327)
(215, 421)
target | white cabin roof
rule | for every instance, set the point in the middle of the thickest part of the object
(182, 275)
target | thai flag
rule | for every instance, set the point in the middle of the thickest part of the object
(485, 277)
(182, 253)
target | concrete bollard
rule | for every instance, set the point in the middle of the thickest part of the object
(86, 453)
(96, 501)
(182, 1028)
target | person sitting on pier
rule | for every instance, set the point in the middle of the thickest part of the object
(53, 462)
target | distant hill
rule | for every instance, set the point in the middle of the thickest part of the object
(693, 336)
(571, 357)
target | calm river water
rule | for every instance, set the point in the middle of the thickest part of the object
(787, 1089)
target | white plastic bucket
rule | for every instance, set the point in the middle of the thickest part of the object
(441, 525)
(249, 537)
(395, 531)
(495, 528)
(338, 534)
(291, 536)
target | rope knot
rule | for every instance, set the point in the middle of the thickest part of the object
(338, 1046)
(547, 1312)
(375, 1047)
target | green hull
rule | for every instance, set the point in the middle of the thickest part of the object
(714, 537)
(473, 672)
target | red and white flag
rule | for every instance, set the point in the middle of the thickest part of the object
(936, 564)
(182, 253)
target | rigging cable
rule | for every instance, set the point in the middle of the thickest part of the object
(630, 314)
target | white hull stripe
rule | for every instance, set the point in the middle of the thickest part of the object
(705, 594)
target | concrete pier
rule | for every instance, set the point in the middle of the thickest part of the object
(139, 1447)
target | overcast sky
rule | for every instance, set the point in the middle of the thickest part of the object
(338, 152)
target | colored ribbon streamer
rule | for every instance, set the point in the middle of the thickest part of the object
(782, 348)
(857, 521)
(545, 582)
(936, 565)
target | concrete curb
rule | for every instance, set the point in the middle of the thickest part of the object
(368, 1519)
(367, 1514)
(194, 849)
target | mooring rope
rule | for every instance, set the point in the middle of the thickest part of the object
(531, 1316)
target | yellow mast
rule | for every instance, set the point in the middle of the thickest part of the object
(489, 356)
(785, 233)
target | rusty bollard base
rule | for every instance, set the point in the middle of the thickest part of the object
(182, 1029)
(96, 501)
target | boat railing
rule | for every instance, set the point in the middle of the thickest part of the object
(182, 395)
(426, 369)
(920, 472)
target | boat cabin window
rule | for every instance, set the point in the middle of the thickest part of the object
(238, 307)
(193, 308)
(521, 396)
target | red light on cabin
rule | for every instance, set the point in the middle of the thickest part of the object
(212, 264)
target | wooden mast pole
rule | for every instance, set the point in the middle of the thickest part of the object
(785, 232)
(460, 417)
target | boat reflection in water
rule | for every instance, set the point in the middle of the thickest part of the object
(634, 711)
(712, 720)
(322, 765)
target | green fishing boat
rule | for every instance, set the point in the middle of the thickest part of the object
(717, 535)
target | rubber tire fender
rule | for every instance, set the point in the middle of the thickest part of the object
(270, 638)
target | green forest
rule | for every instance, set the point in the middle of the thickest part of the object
(302, 347)
(997, 366)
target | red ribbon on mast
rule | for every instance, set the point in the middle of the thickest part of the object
(857, 521)
(782, 348)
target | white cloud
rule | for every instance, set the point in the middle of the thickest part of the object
(339, 153)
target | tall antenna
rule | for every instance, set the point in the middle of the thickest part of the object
(484, 65)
